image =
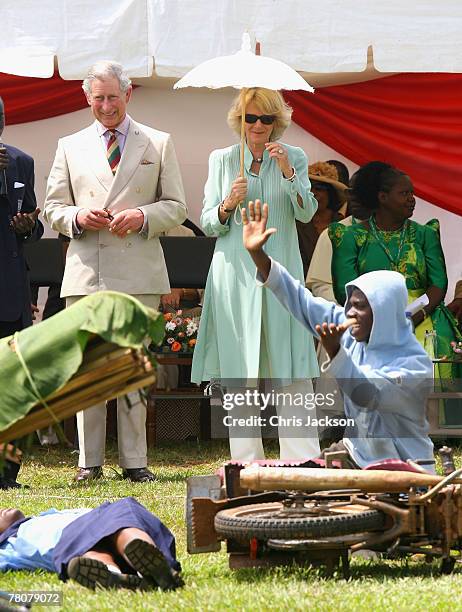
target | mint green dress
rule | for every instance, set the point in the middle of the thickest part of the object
(244, 331)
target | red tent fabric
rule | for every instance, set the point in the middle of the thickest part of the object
(29, 99)
(413, 121)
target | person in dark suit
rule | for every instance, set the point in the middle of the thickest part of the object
(18, 224)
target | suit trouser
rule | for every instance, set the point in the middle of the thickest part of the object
(131, 422)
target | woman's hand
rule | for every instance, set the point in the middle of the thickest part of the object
(237, 194)
(279, 153)
(254, 222)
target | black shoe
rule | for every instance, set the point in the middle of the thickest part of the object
(91, 573)
(152, 565)
(90, 473)
(138, 474)
(7, 483)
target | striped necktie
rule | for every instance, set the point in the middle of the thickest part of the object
(113, 151)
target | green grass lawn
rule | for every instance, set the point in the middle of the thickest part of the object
(210, 585)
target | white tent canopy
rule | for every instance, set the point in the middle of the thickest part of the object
(176, 35)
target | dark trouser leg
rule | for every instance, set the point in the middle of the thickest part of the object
(8, 328)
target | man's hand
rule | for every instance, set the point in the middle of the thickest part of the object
(4, 158)
(93, 219)
(456, 308)
(128, 221)
(171, 300)
(24, 223)
(331, 334)
(34, 309)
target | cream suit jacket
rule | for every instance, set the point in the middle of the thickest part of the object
(148, 177)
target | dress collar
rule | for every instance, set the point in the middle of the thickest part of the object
(248, 157)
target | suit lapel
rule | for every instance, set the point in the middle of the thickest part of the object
(135, 145)
(11, 177)
(96, 157)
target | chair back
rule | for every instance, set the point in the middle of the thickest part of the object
(188, 259)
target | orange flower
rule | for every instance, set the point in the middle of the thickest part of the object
(192, 342)
(168, 316)
(180, 335)
(176, 346)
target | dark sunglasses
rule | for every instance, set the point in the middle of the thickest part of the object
(265, 119)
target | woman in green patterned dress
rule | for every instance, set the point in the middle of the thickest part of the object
(389, 240)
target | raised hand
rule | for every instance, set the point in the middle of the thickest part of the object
(254, 233)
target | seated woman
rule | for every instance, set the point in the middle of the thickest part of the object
(330, 195)
(381, 368)
(389, 240)
(117, 545)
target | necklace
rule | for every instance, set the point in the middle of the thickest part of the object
(258, 160)
(376, 233)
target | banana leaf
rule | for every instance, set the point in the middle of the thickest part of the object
(41, 359)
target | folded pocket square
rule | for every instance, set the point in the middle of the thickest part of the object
(18, 185)
(146, 162)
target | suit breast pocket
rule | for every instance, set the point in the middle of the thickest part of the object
(147, 176)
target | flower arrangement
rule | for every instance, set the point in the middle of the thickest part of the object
(180, 332)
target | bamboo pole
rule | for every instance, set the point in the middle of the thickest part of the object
(86, 376)
(106, 371)
(42, 418)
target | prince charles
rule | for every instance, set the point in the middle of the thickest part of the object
(113, 189)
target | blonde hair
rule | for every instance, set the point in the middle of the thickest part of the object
(270, 102)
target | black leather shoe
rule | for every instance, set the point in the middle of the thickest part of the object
(92, 573)
(152, 565)
(90, 473)
(138, 475)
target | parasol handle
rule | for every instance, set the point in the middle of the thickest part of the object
(243, 93)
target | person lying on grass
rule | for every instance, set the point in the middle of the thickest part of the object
(117, 545)
(383, 372)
